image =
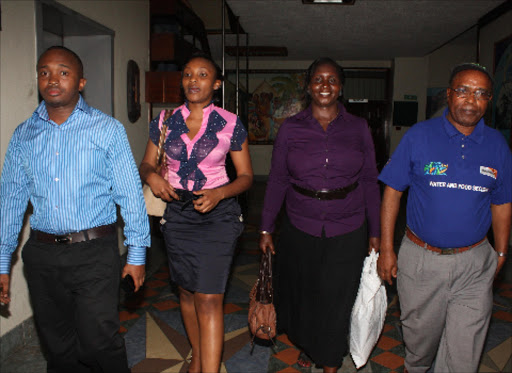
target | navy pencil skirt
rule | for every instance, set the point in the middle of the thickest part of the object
(200, 247)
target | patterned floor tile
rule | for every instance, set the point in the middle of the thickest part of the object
(230, 308)
(389, 360)
(387, 343)
(125, 315)
(147, 292)
(161, 275)
(502, 354)
(288, 356)
(284, 338)
(387, 328)
(502, 315)
(506, 293)
(289, 370)
(156, 284)
(165, 305)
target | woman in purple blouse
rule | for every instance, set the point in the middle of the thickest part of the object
(202, 220)
(324, 171)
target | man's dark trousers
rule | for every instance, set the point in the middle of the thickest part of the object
(74, 289)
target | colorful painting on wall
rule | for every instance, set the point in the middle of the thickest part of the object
(502, 100)
(277, 96)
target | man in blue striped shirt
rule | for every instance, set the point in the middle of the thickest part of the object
(75, 165)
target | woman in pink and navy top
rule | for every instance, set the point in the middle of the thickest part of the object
(202, 220)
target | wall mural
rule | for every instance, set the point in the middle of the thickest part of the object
(277, 96)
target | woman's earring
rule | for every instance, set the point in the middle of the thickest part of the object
(341, 92)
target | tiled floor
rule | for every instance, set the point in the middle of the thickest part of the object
(156, 340)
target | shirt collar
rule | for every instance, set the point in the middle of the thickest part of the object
(185, 112)
(80, 105)
(477, 135)
(308, 112)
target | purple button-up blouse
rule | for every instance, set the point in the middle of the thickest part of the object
(306, 155)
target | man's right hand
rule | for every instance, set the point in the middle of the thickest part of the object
(266, 243)
(386, 265)
(4, 289)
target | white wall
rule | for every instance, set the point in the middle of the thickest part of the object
(130, 21)
(18, 90)
(18, 98)
(95, 51)
(490, 34)
(442, 61)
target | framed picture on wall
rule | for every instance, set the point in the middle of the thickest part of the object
(274, 96)
(502, 95)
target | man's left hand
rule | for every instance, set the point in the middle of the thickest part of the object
(137, 272)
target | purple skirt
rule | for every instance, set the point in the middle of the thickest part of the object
(200, 247)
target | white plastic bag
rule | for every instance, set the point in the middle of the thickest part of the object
(369, 312)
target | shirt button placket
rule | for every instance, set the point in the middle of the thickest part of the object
(55, 166)
(326, 151)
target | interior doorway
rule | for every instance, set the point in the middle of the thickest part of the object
(93, 42)
(367, 93)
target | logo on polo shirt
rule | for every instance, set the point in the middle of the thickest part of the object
(488, 171)
(435, 168)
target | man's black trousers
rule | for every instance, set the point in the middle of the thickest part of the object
(74, 290)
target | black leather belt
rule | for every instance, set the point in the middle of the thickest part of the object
(326, 194)
(186, 196)
(74, 237)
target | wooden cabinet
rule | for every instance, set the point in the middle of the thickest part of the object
(176, 33)
(170, 47)
(163, 86)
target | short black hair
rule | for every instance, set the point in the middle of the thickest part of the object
(73, 54)
(311, 71)
(470, 66)
(207, 57)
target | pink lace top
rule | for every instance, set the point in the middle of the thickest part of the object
(199, 163)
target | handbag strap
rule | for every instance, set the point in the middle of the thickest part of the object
(164, 115)
(265, 290)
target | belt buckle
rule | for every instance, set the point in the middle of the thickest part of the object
(66, 238)
(448, 251)
(320, 192)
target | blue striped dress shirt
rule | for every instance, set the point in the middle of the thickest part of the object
(74, 174)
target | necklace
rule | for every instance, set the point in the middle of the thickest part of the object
(335, 115)
(328, 121)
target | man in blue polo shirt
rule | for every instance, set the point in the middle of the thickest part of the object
(459, 176)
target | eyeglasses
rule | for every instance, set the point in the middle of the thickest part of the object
(480, 94)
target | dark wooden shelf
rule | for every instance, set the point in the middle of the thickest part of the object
(163, 87)
(191, 24)
(170, 21)
(170, 47)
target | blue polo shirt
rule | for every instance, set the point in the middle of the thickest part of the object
(453, 179)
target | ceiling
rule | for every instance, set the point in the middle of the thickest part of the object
(368, 30)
